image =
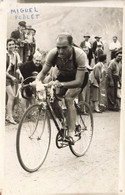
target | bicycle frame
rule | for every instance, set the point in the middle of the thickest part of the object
(50, 109)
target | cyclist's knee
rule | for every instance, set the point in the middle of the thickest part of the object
(69, 101)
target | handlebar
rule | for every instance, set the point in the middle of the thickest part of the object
(39, 88)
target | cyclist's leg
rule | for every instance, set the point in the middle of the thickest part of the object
(57, 109)
(56, 105)
(70, 95)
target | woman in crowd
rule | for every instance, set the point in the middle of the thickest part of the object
(95, 79)
(12, 62)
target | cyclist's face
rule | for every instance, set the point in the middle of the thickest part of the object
(63, 47)
(11, 46)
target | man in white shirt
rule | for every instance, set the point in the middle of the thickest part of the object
(114, 46)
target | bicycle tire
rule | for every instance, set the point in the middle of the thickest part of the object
(32, 144)
(82, 143)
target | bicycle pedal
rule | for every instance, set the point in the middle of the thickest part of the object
(64, 144)
(70, 140)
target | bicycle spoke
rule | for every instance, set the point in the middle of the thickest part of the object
(84, 132)
(33, 138)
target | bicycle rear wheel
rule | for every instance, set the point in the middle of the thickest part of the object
(84, 130)
(33, 138)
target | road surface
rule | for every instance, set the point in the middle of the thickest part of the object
(62, 172)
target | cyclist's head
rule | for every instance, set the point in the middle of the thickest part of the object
(64, 45)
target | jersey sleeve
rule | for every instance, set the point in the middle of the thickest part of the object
(50, 57)
(81, 61)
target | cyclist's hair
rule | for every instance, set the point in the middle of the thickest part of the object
(68, 36)
(102, 57)
(8, 40)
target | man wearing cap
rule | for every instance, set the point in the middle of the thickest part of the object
(114, 46)
(33, 43)
(86, 43)
(19, 36)
(30, 43)
(97, 43)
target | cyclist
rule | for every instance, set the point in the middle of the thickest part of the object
(71, 64)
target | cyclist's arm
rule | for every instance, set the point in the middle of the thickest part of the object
(47, 66)
(42, 73)
(77, 82)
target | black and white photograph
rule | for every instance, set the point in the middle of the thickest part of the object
(63, 98)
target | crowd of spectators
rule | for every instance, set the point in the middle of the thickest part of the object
(105, 78)
(23, 60)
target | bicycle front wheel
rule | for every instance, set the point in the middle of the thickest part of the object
(84, 130)
(33, 138)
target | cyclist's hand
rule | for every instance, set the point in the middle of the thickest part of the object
(51, 83)
(58, 84)
(34, 83)
(55, 84)
(39, 86)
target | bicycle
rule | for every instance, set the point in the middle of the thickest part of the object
(34, 131)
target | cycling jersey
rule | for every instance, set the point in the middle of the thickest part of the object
(67, 69)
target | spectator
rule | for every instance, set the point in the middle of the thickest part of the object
(86, 43)
(85, 95)
(95, 45)
(99, 51)
(95, 79)
(113, 79)
(17, 47)
(12, 61)
(114, 46)
(29, 69)
(19, 36)
(30, 44)
(33, 44)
